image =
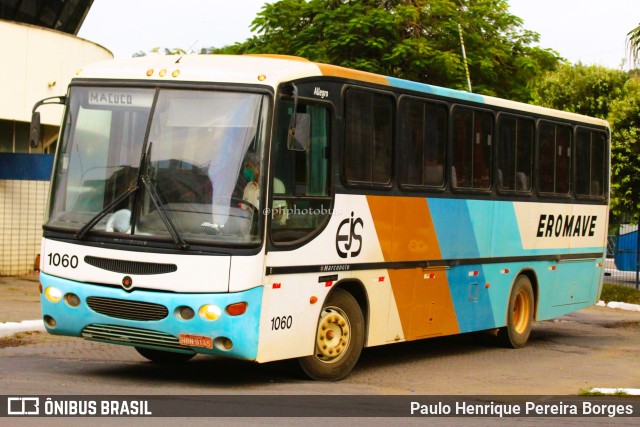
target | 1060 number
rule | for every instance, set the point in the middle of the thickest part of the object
(283, 322)
(63, 260)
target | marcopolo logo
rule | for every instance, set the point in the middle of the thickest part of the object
(347, 235)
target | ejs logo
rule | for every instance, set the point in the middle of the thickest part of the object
(346, 235)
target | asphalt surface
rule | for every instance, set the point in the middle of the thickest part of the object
(568, 347)
(19, 298)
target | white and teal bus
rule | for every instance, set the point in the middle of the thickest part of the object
(267, 208)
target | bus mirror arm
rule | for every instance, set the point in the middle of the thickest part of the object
(299, 126)
(35, 131)
(292, 122)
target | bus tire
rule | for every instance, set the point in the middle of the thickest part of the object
(339, 339)
(164, 357)
(519, 315)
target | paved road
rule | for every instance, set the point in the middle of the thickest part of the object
(596, 347)
(19, 298)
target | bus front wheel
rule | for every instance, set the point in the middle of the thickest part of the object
(519, 315)
(339, 339)
(163, 357)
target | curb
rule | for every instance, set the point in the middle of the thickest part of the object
(616, 391)
(10, 328)
(620, 305)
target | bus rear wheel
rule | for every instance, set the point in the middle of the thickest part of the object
(339, 339)
(159, 356)
(519, 315)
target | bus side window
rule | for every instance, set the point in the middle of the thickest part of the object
(369, 122)
(590, 162)
(472, 148)
(554, 159)
(422, 142)
(515, 154)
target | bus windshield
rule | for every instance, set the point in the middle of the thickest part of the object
(198, 154)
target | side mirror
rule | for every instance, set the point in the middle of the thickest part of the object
(300, 133)
(35, 132)
(35, 135)
(299, 126)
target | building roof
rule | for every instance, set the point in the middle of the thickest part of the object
(62, 15)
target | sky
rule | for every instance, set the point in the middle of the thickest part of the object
(591, 31)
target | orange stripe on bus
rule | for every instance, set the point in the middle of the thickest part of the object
(335, 71)
(406, 233)
(276, 56)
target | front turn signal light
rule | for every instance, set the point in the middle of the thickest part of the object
(53, 294)
(236, 309)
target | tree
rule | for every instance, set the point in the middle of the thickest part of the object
(625, 150)
(608, 94)
(581, 89)
(412, 39)
(633, 44)
(162, 51)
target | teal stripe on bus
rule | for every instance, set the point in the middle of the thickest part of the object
(436, 90)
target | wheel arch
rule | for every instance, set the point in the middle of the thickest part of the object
(533, 278)
(358, 291)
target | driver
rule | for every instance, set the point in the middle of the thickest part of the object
(252, 190)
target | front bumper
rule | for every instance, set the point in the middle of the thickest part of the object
(152, 319)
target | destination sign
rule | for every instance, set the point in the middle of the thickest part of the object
(121, 98)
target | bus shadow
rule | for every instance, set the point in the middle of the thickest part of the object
(223, 373)
(203, 371)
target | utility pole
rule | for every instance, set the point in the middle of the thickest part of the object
(464, 55)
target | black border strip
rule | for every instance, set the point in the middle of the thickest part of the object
(444, 263)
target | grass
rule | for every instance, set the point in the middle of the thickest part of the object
(620, 294)
(589, 391)
(21, 338)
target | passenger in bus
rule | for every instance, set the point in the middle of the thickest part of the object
(251, 192)
(433, 171)
(523, 182)
(279, 211)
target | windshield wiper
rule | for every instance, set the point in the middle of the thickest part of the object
(96, 219)
(157, 202)
(145, 180)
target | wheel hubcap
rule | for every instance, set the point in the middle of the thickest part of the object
(333, 334)
(521, 311)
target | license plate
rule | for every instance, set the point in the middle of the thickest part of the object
(196, 341)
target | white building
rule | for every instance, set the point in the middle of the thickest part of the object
(40, 54)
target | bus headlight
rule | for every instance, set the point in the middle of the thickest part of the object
(210, 312)
(53, 294)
